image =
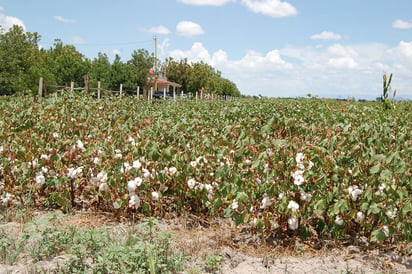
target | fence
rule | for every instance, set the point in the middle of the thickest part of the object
(198, 95)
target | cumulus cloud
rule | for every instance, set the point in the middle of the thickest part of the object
(405, 48)
(64, 20)
(400, 24)
(116, 52)
(161, 30)
(326, 35)
(273, 8)
(338, 71)
(77, 40)
(217, 3)
(188, 28)
(6, 22)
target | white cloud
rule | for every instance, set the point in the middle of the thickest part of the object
(326, 35)
(77, 40)
(217, 3)
(1, 8)
(161, 30)
(116, 52)
(400, 24)
(64, 20)
(337, 71)
(6, 22)
(405, 49)
(273, 8)
(188, 28)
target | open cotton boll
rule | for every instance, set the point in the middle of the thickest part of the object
(293, 223)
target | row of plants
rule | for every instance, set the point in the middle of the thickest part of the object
(307, 167)
(100, 250)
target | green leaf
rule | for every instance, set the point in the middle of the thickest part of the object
(238, 218)
(320, 205)
(374, 208)
(378, 236)
(242, 197)
(375, 169)
(167, 154)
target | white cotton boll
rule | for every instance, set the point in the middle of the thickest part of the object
(146, 173)
(307, 197)
(281, 195)
(55, 135)
(354, 191)
(131, 141)
(45, 157)
(338, 220)
(80, 145)
(269, 152)
(193, 164)
(116, 205)
(1, 149)
(298, 178)
(300, 157)
(102, 176)
(134, 201)
(155, 196)
(40, 179)
(265, 202)
(133, 184)
(310, 165)
(359, 217)
(248, 162)
(293, 223)
(44, 170)
(103, 187)
(235, 204)
(75, 173)
(293, 205)
(172, 170)
(392, 213)
(137, 164)
(118, 154)
(97, 161)
(385, 230)
(191, 183)
(209, 188)
(266, 169)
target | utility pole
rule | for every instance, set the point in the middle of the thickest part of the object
(155, 63)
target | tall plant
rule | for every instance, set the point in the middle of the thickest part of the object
(386, 90)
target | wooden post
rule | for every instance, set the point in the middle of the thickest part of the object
(71, 86)
(121, 89)
(86, 83)
(138, 92)
(98, 91)
(164, 94)
(41, 87)
(174, 93)
(151, 93)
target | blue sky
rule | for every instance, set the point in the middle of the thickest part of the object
(276, 48)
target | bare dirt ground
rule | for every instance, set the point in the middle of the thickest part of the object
(240, 252)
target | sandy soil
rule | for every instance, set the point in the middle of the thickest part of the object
(241, 252)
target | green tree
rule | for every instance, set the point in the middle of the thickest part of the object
(140, 64)
(68, 64)
(119, 73)
(178, 72)
(100, 70)
(19, 60)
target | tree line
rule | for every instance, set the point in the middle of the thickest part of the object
(23, 62)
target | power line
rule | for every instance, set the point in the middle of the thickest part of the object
(104, 44)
